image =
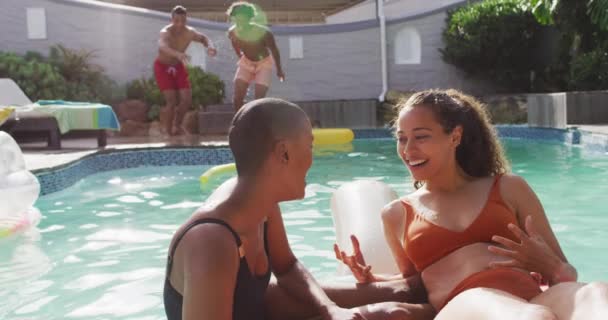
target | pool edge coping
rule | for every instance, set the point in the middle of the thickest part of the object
(569, 136)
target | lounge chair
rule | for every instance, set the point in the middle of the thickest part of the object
(52, 118)
(31, 121)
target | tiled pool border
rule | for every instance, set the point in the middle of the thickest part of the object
(57, 178)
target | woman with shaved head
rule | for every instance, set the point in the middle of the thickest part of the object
(221, 259)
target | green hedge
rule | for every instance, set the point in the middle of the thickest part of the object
(68, 74)
(493, 40)
(37, 79)
(589, 71)
(207, 89)
(65, 74)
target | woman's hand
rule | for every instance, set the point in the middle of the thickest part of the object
(355, 262)
(532, 253)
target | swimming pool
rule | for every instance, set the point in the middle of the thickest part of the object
(101, 246)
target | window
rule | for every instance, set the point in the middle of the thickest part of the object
(407, 46)
(296, 47)
(36, 23)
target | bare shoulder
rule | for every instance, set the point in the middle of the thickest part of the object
(232, 33)
(191, 33)
(393, 211)
(207, 240)
(213, 234)
(165, 35)
(515, 191)
(192, 30)
(510, 183)
(414, 197)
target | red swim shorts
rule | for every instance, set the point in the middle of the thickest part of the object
(171, 77)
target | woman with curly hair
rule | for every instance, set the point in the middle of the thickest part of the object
(477, 234)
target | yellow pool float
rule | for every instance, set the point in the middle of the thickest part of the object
(5, 113)
(332, 136)
(216, 171)
(322, 138)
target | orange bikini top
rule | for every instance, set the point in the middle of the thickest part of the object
(425, 242)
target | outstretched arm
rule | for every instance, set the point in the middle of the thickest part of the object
(199, 37)
(293, 277)
(393, 220)
(393, 225)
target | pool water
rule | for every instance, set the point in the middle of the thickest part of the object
(100, 249)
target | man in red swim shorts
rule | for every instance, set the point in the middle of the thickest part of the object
(170, 67)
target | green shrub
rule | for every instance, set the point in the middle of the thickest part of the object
(74, 65)
(207, 88)
(86, 81)
(145, 89)
(65, 75)
(154, 112)
(34, 56)
(493, 40)
(38, 79)
(589, 71)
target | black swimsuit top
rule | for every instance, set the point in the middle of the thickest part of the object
(248, 301)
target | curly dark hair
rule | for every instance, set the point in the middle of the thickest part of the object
(480, 153)
(242, 7)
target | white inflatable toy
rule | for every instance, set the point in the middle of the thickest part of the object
(19, 190)
(356, 208)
